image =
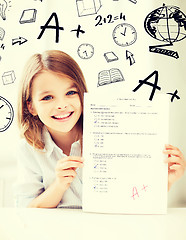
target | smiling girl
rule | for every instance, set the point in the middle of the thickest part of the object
(51, 122)
(50, 117)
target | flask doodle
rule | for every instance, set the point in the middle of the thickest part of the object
(3, 7)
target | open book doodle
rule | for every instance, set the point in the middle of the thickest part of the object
(109, 76)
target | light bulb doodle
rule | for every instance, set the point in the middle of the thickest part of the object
(3, 7)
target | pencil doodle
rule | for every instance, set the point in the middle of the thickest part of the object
(124, 34)
(8, 77)
(2, 33)
(85, 51)
(130, 56)
(110, 56)
(19, 40)
(174, 95)
(109, 19)
(109, 76)
(88, 7)
(28, 16)
(166, 24)
(6, 114)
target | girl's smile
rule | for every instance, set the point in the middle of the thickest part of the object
(63, 117)
(55, 99)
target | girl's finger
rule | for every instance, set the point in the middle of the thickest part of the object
(175, 160)
(67, 173)
(176, 153)
(69, 164)
(169, 146)
(179, 170)
(71, 158)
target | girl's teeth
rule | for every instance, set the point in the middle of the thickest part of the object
(63, 116)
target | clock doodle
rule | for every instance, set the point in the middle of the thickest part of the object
(85, 51)
(6, 114)
(124, 34)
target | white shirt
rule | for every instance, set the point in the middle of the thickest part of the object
(36, 171)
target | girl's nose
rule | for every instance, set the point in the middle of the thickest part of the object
(61, 104)
(62, 107)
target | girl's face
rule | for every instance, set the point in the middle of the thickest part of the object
(56, 101)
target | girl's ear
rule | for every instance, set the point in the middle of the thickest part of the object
(31, 108)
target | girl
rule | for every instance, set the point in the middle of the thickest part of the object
(51, 121)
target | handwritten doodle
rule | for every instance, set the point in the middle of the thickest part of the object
(88, 7)
(130, 56)
(174, 95)
(109, 76)
(166, 24)
(133, 1)
(19, 40)
(8, 77)
(28, 16)
(137, 193)
(2, 46)
(124, 34)
(153, 85)
(78, 31)
(109, 19)
(110, 57)
(47, 26)
(85, 51)
(6, 114)
(2, 33)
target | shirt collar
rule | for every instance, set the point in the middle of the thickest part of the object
(50, 145)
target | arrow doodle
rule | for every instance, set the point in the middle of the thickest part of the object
(130, 56)
(19, 41)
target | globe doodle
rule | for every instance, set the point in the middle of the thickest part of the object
(167, 24)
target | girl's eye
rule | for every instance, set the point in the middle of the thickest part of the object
(46, 98)
(71, 92)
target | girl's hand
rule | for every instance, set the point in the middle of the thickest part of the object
(176, 164)
(66, 170)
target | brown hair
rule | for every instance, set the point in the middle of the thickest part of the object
(55, 61)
